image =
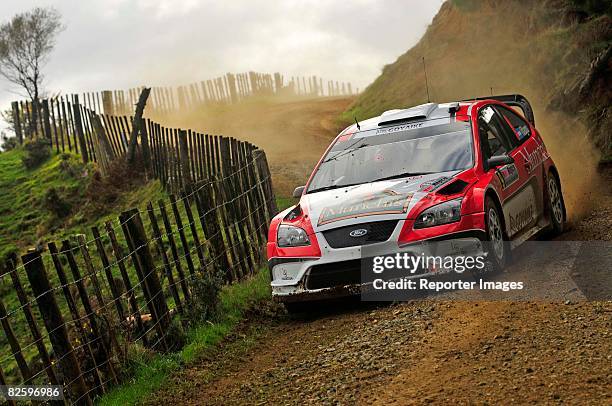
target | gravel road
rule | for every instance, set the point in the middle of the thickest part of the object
(440, 352)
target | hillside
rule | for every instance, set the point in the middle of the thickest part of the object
(58, 198)
(541, 49)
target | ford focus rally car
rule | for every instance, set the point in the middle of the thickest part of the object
(472, 170)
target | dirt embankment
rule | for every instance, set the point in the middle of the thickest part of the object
(535, 48)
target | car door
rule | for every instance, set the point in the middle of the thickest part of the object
(518, 194)
(530, 152)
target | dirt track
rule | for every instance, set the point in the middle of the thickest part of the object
(441, 352)
(419, 352)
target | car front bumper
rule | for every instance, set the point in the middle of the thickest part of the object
(305, 279)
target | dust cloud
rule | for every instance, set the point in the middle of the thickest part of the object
(293, 132)
(499, 48)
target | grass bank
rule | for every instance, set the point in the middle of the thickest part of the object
(150, 371)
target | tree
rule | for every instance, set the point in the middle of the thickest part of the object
(26, 42)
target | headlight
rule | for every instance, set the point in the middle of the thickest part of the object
(290, 236)
(443, 213)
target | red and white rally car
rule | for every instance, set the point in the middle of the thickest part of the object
(472, 170)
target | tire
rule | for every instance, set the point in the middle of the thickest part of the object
(496, 245)
(556, 204)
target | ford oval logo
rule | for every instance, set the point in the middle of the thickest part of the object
(360, 232)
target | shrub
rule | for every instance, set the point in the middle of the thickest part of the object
(204, 302)
(72, 166)
(56, 204)
(37, 152)
(593, 7)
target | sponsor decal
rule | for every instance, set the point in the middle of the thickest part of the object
(398, 128)
(507, 175)
(519, 220)
(434, 184)
(522, 131)
(385, 202)
(534, 158)
(520, 210)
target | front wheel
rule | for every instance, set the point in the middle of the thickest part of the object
(556, 205)
(498, 248)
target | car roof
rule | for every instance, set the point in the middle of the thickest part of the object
(426, 111)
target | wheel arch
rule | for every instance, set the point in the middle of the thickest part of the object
(490, 192)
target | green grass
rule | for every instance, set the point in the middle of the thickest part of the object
(152, 371)
(284, 202)
(26, 221)
(24, 217)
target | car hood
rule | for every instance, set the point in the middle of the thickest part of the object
(375, 201)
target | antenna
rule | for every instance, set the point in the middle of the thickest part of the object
(426, 84)
(357, 122)
(491, 90)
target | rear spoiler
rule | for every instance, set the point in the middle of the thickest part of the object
(515, 100)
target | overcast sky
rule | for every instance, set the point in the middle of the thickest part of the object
(116, 44)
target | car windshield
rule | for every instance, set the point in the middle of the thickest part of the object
(438, 145)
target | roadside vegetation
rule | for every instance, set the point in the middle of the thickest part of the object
(47, 196)
(150, 370)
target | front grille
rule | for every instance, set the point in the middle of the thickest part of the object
(377, 231)
(334, 274)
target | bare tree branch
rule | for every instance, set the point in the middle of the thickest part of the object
(26, 41)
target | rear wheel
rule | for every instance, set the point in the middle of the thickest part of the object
(498, 249)
(556, 205)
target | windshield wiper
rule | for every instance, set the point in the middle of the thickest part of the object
(330, 187)
(403, 175)
(345, 152)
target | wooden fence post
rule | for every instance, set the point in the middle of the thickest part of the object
(184, 158)
(146, 149)
(3, 382)
(17, 122)
(156, 301)
(162, 251)
(173, 249)
(14, 344)
(107, 102)
(138, 123)
(109, 275)
(76, 317)
(129, 291)
(78, 123)
(55, 325)
(36, 335)
(104, 150)
(46, 123)
(181, 231)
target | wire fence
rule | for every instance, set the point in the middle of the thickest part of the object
(72, 309)
(175, 156)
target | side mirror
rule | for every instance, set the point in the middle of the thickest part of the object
(499, 160)
(297, 193)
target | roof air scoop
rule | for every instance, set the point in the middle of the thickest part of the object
(412, 114)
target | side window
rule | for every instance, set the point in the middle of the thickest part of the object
(491, 133)
(519, 126)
